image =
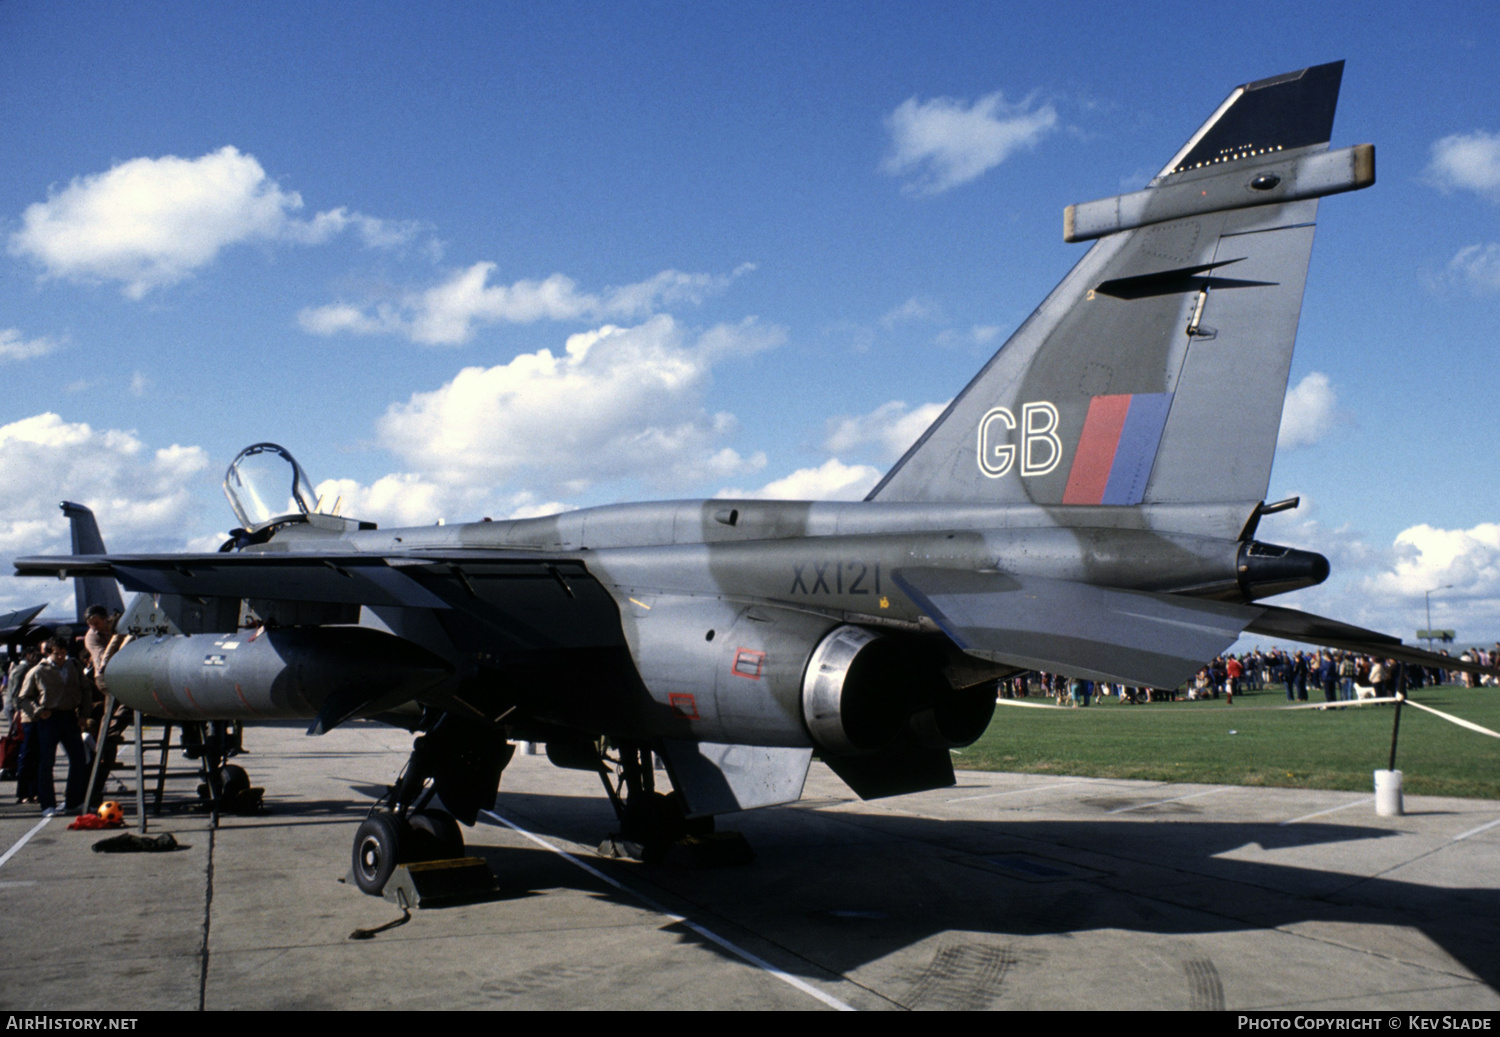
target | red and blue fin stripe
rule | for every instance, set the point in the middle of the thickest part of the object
(1117, 448)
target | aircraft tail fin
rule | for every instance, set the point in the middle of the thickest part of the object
(1155, 372)
(90, 590)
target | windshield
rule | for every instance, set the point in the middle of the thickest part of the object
(265, 483)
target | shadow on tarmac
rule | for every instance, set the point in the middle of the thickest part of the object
(844, 888)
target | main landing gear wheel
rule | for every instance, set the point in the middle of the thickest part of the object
(650, 821)
(378, 847)
(435, 835)
(234, 780)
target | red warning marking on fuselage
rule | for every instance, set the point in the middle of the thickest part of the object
(683, 705)
(246, 701)
(748, 663)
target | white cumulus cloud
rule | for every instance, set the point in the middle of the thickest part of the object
(912, 309)
(1310, 412)
(1476, 268)
(945, 142)
(1383, 587)
(1467, 162)
(890, 428)
(141, 497)
(832, 480)
(448, 313)
(14, 346)
(151, 222)
(616, 403)
(1428, 557)
(409, 499)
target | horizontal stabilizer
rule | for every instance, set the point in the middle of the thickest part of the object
(1057, 626)
(15, 622)
(1330, 633)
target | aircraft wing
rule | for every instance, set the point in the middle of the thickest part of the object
(1058, 626)
(498, 600)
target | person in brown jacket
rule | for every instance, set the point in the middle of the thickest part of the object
(51, 697)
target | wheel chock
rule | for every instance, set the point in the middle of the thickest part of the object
(435, 883)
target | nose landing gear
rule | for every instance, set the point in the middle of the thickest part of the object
(462, 765)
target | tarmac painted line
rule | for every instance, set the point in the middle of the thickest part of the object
(1017, 792)
(24, 840)
(1330, 810)
(707, 934)
(1174, 799)
(1476, 831)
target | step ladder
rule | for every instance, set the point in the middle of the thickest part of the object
(152, 750)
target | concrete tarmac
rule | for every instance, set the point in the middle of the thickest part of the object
(1008, 891)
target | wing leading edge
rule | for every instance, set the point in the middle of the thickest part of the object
(489, 600)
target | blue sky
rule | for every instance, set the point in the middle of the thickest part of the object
(354, 229)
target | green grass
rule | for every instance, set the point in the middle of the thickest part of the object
(1191, 741)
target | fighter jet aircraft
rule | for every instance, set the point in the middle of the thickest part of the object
(1087, 505)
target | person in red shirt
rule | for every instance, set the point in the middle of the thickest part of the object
(1233, 671)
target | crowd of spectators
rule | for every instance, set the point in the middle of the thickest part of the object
(1326, 675)
(53, 697)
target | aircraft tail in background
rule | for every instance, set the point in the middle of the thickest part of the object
(90, 590)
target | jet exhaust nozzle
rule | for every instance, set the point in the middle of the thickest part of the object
(862, 690)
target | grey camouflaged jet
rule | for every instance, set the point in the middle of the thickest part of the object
(1087, 505)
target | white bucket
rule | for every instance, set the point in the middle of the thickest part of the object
(1388, 794)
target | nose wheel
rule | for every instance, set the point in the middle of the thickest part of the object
(385, 840)
(378, 847)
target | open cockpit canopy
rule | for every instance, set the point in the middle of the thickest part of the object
(265, 485)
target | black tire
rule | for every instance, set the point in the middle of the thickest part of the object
(234, 780)
(436, 835)
(378, 847)
(695, 826)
